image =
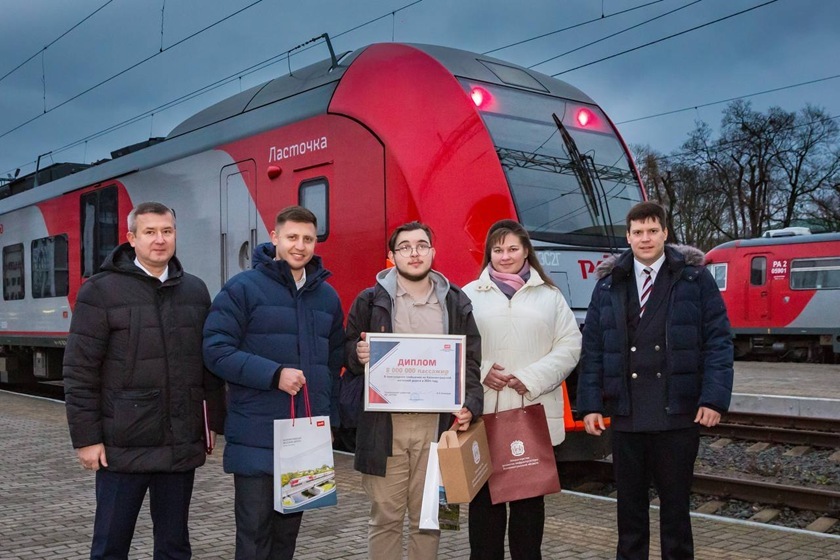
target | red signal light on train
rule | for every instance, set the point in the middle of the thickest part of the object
(480, 96)
(584, 117)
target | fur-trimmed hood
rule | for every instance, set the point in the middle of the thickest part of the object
(684, 255)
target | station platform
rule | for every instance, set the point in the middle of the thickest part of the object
(787, 389)
(47, 508)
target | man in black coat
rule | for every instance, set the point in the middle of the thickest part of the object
(136, 387)
(657, 357)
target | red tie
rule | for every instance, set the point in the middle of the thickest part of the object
(647, 286)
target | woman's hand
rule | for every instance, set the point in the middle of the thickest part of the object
(515, 384)
(496, 379)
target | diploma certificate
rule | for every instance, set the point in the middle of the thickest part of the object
(415, 373)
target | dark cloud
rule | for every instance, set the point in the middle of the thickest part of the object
(783, 43)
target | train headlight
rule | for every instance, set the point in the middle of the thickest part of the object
(480, 96)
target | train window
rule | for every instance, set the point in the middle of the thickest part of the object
(99, 232)
(815, 274)
(50, 275)
(13, 272)
(314, 196)
(718, 271)
(758, 271)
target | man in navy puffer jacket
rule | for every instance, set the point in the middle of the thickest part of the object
(657, 357)
(270, 331)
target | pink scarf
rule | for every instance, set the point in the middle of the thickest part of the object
(509, 284)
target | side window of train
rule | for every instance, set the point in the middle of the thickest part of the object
(718, 271)
(314, 195)
(99, 228)
(13, 272)
(758, 271)
(815, 274)
(50, 274)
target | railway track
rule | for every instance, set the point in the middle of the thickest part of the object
(742, 488)
(794, 430)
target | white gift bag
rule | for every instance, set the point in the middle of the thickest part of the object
(435, 513)
(304, 469)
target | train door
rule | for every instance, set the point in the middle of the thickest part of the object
(757, 309)
(238, 216)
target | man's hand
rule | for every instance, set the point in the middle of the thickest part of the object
(363, 350)
(291, 380)
(92, 456)
(463, 418)
(594, 424)
(496, 379)
(707, 417)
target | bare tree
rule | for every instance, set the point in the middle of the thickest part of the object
(808, 160)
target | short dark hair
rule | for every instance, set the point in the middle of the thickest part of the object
(644, 211)
(296, 214)
(502, 229)
(148, 208)
(410, 226)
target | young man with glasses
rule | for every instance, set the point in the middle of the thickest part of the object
(392, 448)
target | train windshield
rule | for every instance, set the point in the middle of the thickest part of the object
(571, 178)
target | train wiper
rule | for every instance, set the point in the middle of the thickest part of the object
(588, 177)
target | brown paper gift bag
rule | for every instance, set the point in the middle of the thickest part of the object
(522, 455)
(464, 462)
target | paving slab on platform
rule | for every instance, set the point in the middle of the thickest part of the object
(47, 506)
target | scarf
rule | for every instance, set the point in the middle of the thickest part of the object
(510, 283)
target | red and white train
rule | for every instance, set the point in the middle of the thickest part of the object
(782, 295)
(367, 140)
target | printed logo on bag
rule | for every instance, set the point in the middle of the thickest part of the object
(320, 423)
(517, 448)
(476, 452)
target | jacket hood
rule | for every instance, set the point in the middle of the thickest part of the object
(122, 258)
(263, 259)
(388, 279)
(677, 257)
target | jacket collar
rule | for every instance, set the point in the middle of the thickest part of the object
(121, 260)
(263, 260)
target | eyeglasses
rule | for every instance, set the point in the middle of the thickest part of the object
(407, 250)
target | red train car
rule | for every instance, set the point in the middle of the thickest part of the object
(782, 295)
(368, 140)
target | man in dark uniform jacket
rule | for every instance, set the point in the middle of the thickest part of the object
(657, 358)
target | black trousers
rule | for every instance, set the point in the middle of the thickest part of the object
(261, 532)
(488, 523)
(667, 459)
(118, 500)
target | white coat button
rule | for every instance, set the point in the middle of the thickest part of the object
(632, 348)
(656, 348)
(658, 375)
(635, 375)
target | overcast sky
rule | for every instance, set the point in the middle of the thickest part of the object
(783, 43)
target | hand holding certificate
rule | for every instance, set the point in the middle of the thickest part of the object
(415, 373)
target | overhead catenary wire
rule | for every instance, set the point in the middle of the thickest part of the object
(611, 35)
(204, 89)
(132, 67)
(695, 28)
(581, 24)
(54, 41)
(720, 146)
(727, 100)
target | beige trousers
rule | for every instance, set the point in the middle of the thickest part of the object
(401, 489)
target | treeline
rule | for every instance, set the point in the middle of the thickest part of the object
(764, 171)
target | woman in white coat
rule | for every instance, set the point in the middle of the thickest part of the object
(530, 342)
